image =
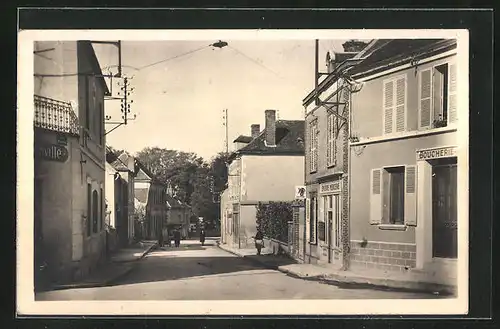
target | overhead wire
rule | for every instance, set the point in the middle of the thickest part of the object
(255, 61)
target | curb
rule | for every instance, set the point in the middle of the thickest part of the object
(108, 281)
(337, 280)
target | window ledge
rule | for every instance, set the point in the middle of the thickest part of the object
(417, 133)
(392, 227)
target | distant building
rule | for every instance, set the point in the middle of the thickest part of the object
(151, 192)
(120, 193)
(69, 160)
(265, 167)
(178, 215)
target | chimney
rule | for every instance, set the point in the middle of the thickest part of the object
(353, 46)
(255, 128)
(270, 127)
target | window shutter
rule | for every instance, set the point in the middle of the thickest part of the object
(425, 99)
(314, 223)
(385, 196)
(388, 106)
(308, 219)
(411, 195)
(334, 140)
(452, 93)
(400, 104)
(375, 197)
(329, 155)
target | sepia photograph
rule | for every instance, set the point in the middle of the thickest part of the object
(317, 172)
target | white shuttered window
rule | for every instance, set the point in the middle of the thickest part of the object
(394, 105)
(331, 151)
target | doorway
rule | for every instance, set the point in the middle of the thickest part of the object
(332, 218)
(40, 260)
(444, 208)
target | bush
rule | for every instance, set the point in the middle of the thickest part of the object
(272, 219)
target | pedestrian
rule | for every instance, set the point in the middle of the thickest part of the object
(177, 238)
(259, 241)
(202, 237)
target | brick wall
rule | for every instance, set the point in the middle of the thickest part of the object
(383, 256)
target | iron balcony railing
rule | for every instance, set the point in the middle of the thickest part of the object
(55, 115)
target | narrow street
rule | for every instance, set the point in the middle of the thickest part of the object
(195, 272)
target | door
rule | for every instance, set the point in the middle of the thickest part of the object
(444, 209)
(333, 219)
(236, 231)
(38, 233)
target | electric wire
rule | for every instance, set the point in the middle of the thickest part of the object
(255, 61)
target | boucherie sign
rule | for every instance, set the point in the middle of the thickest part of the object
(53, 152)
(442, 152)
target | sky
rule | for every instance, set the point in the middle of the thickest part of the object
(179, 102)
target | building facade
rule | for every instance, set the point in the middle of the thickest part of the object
(121, 192)
(404, 160)
(69, 160)
(255, 174)
(178, 215)
(152, 193)
(326, 230)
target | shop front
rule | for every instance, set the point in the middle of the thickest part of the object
(436, 233)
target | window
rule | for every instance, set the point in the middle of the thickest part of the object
(336, 240)
(87, 103)
(89, 209)
(313, 219)
(95, 211)
(103, 209)
(444, 208)
(394, 196)
(437, 92)
(394, 105)
(101, 123)
(313, 150)
(331, 151)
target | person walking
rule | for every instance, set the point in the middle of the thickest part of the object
(259, 241)
(177, 238)
(202, 237)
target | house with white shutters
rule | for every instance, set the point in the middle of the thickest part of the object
(403, 159)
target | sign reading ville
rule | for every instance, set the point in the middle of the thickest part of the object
(443, 152)
(53, 153)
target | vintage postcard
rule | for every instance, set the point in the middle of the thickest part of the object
(235, 172)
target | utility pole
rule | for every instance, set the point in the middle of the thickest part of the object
(125, 92)
(225, 117)
(316, 72)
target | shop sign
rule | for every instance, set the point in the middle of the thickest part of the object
(53, 153)
(442, 152)
(300, 192)
(62, 139)
(330, 187)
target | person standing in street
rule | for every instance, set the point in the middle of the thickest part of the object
(259, 241)
(202, 237)
(177, 238)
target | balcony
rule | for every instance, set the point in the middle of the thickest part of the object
(55, 115)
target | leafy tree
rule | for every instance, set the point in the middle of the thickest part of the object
(174, 168)
(219, 171)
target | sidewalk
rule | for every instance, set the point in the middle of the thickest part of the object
(120, 263)
(345, 279)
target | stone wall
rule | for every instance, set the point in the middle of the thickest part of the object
(383, 256)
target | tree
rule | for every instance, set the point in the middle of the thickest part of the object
(174, 168)
(219, 171)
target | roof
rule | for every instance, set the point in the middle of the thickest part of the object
(289, 141)
(90, 52)
(383, 54)
(243, 139)
(396, 52)
(121, 161)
